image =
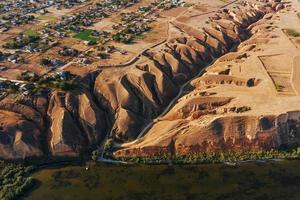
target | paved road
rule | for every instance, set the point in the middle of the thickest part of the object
(11, 80)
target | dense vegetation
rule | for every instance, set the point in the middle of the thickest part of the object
(16, 176)
(15, 180)
(198, 158)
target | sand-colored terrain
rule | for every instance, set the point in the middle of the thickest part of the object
(213, 76)
(259, 76)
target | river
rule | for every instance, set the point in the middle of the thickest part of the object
(270, 180)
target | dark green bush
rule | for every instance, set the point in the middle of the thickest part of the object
(15, 180)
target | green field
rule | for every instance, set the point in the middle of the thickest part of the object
(262, 181)
(86, 35)
(31, 32)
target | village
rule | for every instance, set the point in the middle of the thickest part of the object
(37, 46)
(16, 13)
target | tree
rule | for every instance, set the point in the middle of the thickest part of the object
(45, 62)
(108, 146)
(95, 155)
(13, 87)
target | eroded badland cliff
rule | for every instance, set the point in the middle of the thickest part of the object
(222, 80)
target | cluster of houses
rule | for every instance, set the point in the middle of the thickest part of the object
(136, 23)
(88, 17)
(13, 58)
(57, 76)
(144, 9)
(60, 4)
(48, 32)
(62, 79)
(67, 51)
(21, 41)
(111, 49)
(30, 44)
(130, 30)
(24, 7)
(51, 62)
(16, 12)
(99, 33)
(14, 19)
(166, 5)
(15, 86)
(27, 76)
(104, 52)
(39, 46)
(133, 24)
(72, 23)
(29, 83)
(23, 84)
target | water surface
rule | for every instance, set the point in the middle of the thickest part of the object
(261, 181)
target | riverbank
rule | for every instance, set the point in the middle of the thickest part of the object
(221, 157)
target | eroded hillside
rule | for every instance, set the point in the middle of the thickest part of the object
(246, 100)
(225, 79)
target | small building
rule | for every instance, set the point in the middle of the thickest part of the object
(56, 63)
(14, 58)
(63, 75)
(25, 87)
(3, 85)
(3, 68)
(85, 61)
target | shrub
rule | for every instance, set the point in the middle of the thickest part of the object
(243, 109)
(292, 33)
(203, 157)
(45, 62)
(95, 155)
(15, 180)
